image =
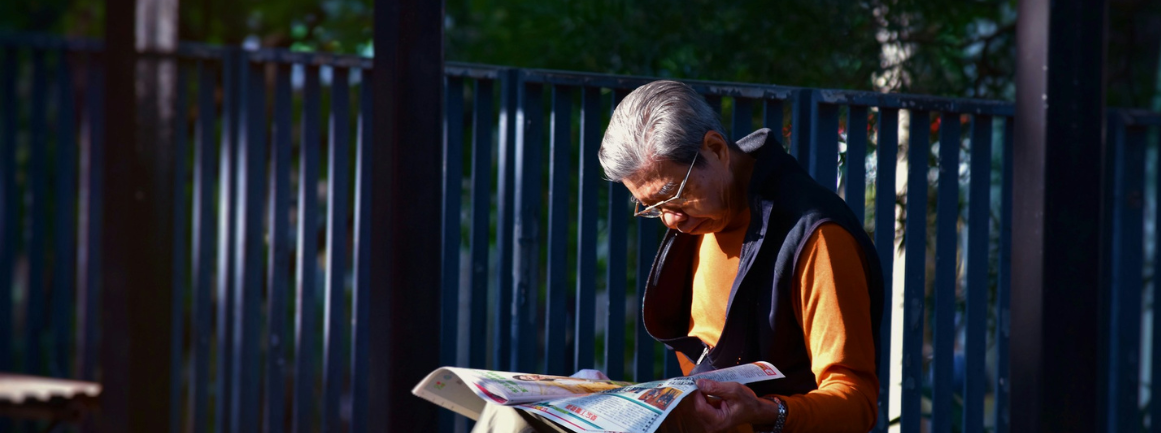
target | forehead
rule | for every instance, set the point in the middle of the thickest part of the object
(655, 182)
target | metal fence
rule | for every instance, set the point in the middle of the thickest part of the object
(542, 263)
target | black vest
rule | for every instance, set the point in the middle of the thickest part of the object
(786, 206)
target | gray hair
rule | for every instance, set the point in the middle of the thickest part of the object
(662, 120)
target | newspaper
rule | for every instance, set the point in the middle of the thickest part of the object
(580, 405)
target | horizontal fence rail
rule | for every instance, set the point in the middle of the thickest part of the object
(543, 265)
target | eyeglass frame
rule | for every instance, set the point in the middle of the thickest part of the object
(644, 213)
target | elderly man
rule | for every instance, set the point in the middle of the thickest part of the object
(760, 263)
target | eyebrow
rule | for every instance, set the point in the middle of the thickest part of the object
(665, 192)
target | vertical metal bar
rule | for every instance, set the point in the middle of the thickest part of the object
(824, 145)
(886, 157)
(203, 232)
(558, 217)
(1155, 368)
(914, 280)
(278, 266)
(943, 319)
(307, 267)
(225, 271)
(88, 288)
(1003, 389)
(615, 278)
(587, 214)
(526, 230)
(672, 366)
(772, 118)
(800, 129)
(509, 105)
(181, 252)
(979, 222)
(615, 282)
(8, 202)
(338, 209)
(453, 175)
(360, 309)
(482, 124)
(64, 223)
(248, 266)
(1128, 176)
(646, 247)
(37, 212)
(742, 122)
(856, 166)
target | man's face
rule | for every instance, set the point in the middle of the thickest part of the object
(707, 204)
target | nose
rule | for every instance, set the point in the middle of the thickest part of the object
(672, 219)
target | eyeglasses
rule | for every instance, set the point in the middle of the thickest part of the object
(653, 211)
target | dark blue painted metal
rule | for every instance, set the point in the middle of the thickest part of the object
(88, 291)
(1003, 388)
(715, 102)
(1155, 367)
(914, 280)
(672, 366)
(560, 172)
(887, 154)
(856, 161)
(1128, 179)
(824, 145)
(278, 253)
(615, 278)
(306, 345)
(64, 269)
(615, 281)
(248, 265)
(181, 252)
(482, 124)
(943, 318)
(227, 200)
(800, 116)
(979, 223)
(37, 211)
(203, 233)
(8, 202)
(526, 227)
(338, 209)
(772, 118)
(509, 105)
(646, 247)
(360, 308)
(586, 250)
(453, 176)
(743, 118)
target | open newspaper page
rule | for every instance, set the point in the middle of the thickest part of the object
(641, 407)
(466, 390)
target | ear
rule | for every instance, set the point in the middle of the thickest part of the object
(714, 145)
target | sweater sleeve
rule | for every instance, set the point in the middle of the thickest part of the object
(833, 307)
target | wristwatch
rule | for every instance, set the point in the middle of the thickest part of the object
(779, 423)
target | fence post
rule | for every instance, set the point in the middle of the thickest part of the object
(405, 194)
(137, 258)
(1056, 218)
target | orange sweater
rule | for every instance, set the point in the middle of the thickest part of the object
(831, 304)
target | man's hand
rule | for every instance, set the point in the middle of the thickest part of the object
(719, 406)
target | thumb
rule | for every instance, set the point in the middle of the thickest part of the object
(708, 386)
